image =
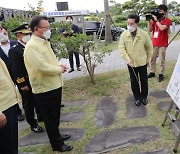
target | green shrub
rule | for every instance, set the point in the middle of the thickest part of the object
(122, 24)
(119, 18)
(143, 24)
(13, 23)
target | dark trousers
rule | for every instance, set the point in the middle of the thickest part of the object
(49, 104)
(71, 62)
(29, 107)
(19, 112)
(9, 133)
(136, 73)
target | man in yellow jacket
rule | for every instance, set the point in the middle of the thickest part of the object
(8, 113)
(45, 78)
(136, 48)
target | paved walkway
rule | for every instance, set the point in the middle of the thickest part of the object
(115, 62)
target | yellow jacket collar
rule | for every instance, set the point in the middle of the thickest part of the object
(137, 34)
(40, 40)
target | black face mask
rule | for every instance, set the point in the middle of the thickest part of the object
(160, 15)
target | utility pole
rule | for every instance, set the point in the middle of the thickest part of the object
(108, 35)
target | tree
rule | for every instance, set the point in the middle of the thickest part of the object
(138, 6)
(13, 23)
(35, 10)
(91, 51)
(178, 8)
(173, 6)
(20, 19)
(108, 36)
(92, 17)
(115, 8)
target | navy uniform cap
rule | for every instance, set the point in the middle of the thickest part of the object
(22, 29)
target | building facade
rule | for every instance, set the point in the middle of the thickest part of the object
(58, 16)
(6, 13)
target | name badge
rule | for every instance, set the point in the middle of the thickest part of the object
(155, 34)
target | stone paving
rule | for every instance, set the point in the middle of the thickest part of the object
(133, 111)
(159, 94)
(76, 103)
(154, 152)
(25, 153)
(22, 125)
(39, 139)
(105, 112)
(164, 106)
(42, 138)
(122, 137)
(105, 116)
(72, 117)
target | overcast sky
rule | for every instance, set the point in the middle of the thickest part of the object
(50, 5)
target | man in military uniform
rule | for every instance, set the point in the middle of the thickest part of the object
(5, 45)
(19, 71)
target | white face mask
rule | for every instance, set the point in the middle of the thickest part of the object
(26, 38)
(3, 38)
(69, 21)
(131, 28)
(47, 34)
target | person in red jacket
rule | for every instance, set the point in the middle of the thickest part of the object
(159, 28)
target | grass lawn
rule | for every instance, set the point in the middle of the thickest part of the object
(176, 38)
(114, 83)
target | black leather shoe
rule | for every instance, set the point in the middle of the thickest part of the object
(71, 70)
(20, 117)
(37, 129)
(62, 105)
(137, 102)
(78, 69)
(65, 137)
(161, 78)
(151, 75)
(63, 148)
(145, 101)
